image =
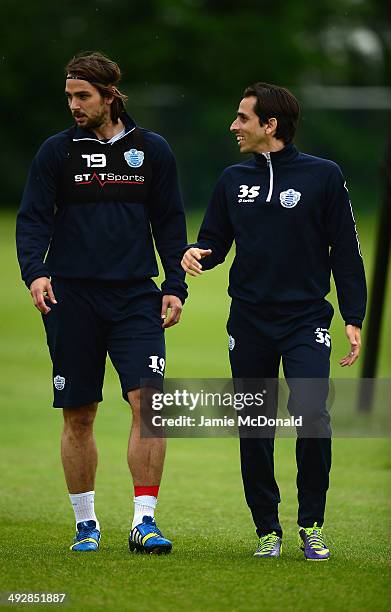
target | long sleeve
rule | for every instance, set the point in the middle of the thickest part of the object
(35, 219)
(168, 218)
(216, 231)
(345, 253)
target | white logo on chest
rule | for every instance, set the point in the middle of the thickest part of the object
(248, 194)
(289, 198)
(134, 158)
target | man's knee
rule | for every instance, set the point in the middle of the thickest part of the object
(134, 398)
(80, 420)
(141, 403)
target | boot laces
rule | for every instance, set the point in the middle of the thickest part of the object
(267, 542)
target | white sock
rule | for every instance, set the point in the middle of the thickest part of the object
(144, 505)
(83, 506)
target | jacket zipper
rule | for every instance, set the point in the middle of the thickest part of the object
(269, 163)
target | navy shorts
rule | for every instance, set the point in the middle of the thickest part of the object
(93, 318)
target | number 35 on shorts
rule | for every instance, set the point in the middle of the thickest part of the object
(322, 336)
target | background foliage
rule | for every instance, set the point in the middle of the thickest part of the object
(185, 64)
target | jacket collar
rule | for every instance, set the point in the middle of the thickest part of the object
(285, 155)
(81, 134)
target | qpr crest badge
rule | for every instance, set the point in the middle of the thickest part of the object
(289, 198)
(59, 382)
(134, 158)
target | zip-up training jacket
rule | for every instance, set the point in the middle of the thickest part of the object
(89, 206)
(292, 222)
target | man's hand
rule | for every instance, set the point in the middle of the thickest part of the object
(41, 290)
(175, 305)
(353, 334)
(191, 260)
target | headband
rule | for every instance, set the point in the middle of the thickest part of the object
(83, 78)
(80, 78)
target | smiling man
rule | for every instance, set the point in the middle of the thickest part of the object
(85, 249)
(290, 217)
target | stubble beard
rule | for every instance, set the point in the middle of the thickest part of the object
(97, 121)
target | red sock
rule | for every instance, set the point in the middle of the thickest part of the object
(152, 490)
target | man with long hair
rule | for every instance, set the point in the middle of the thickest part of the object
(86, 253)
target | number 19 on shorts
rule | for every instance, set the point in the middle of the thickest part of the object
(157, 364)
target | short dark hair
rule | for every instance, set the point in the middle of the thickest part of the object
(278, 102)
(102, 73)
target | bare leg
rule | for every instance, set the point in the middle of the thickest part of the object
(78, 449)
(145, 455)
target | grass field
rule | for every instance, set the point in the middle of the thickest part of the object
(201, 503)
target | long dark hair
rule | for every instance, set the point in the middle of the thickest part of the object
(102, 73)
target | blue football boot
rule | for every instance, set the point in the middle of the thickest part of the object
(87, 537)
(270, 545)
(146, 537)
(311, 541)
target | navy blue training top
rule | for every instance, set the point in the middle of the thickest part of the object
(90, 208)
(292, 222)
